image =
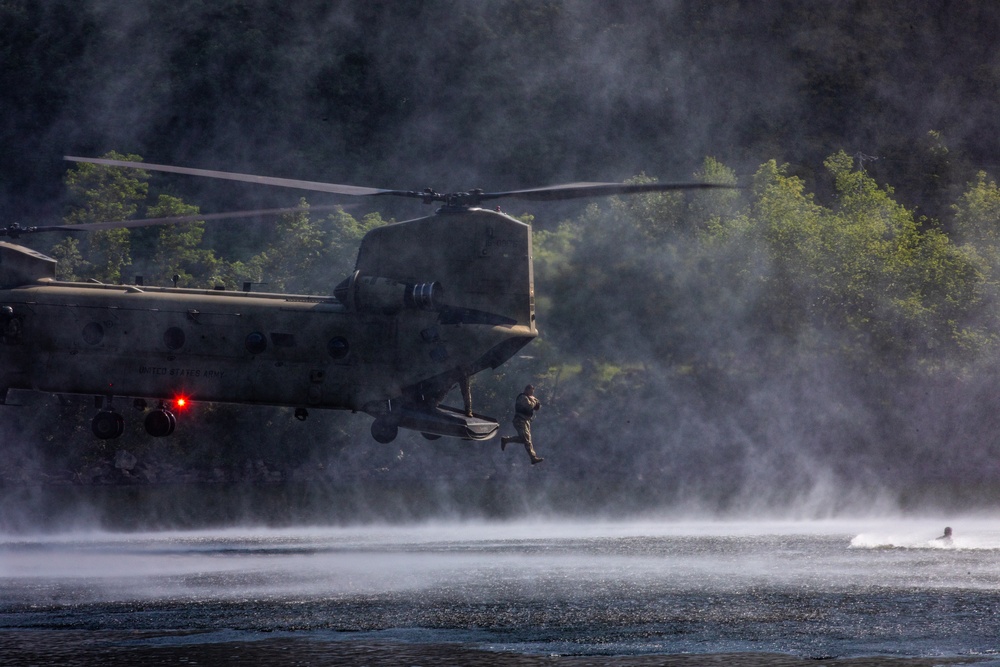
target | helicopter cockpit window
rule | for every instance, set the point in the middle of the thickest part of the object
(93, 333)
(338, 347)
(256, 342)
(173, 338)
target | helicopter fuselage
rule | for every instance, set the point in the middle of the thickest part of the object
(431, 300)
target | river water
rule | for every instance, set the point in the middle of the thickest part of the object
(809, 590)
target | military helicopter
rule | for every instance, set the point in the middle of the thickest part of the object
(431, 302)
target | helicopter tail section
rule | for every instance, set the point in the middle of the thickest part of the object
(459, 288)
(474, 263)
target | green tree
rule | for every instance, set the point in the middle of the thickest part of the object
(711, 208)
(977, 216)
(104, 194)
(70, 259)
(788, 222)
(656, 216)
(179, 248)
(900, 280)
(311, 256)
(889, 283)
(343, 236)
(290, 264)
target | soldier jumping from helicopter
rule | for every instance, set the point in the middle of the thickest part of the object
(525, 407)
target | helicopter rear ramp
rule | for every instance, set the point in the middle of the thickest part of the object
(450, 422)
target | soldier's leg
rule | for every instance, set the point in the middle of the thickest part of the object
(466, 386)
(524, 428)
(523, 431)
(507, 439)
(519, 425)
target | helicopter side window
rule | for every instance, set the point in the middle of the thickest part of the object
(173, 338)
(93, 333)
(338, 347)
(256, 342)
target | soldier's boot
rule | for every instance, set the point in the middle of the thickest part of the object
(536, 459)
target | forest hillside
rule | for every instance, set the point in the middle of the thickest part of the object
(823, 339)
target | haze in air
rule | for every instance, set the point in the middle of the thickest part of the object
(821, 342)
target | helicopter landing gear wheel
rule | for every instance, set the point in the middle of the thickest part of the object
(108, 425)
(160, 423)
(384, 431)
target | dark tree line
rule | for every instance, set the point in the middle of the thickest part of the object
(496, 94)
(738, 349)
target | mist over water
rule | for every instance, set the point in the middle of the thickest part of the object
(835, 588)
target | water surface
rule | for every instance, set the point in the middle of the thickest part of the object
(805, 589)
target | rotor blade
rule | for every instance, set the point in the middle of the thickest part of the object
(579, 190)
(353, 190)
(549, 193)
(174, 220)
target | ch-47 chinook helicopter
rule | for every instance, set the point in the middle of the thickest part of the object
(431, 301)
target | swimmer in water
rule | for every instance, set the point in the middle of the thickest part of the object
(946, 538)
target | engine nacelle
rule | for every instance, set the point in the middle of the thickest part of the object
(21, 266)
(373, 294)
